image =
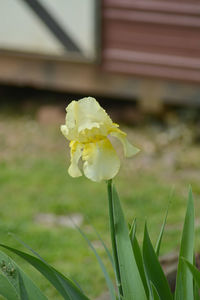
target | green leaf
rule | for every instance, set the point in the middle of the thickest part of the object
(196, 288)
(63, 285)
(113, 240)
(184, 280)
(158, 243)
(132, 230)
(140, 264)
(138, 256)
(7, 290)
(196, 291)
(15, 276)
(155, 295)
(37, 255)
(194, 271)
(22, 288)
(106, 275)
(153, 269)
(109, 255)
(132, 285)
(26, 246)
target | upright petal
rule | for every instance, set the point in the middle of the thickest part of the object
(86, 114)
(100, 160)
(91, 114)
(64, 130)
(76, 152)
(71, 129)
(129, 149)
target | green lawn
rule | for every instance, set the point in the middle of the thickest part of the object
(34, 179)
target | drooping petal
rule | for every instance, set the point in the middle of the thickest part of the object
(100, 160)
(129, 149)
(76, 152)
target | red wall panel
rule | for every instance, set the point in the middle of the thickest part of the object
(152, 38)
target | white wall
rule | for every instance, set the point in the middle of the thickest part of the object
(22, 30)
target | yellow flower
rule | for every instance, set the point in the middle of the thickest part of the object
(87, 128)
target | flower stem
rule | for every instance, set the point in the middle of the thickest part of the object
(113, 238)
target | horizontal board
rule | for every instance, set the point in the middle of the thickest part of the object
(152, 38)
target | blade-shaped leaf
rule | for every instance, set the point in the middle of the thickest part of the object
(40, 258)
(196, 291)
(155, 295)
(106, 275)
(153, 269)
(194, 271)
(158, 243)
(132, 285)
(196, 288)
(138, 256)
(113, 239)
(63, 285)
(184, 280)
(13, 273)
(26, 246)
(22, 288)
(6, 289)
(105, 247)
(132, 230)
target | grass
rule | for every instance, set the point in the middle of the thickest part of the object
(34, 179)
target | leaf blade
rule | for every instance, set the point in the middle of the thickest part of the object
(14, 273)
(69, 291)
(154, 292)
(109, 255)
(153, 269)
(22, 288)
(195, 272)
(138, 257)
(7, 290)
(158, 243)
(106, 275)
(131, 281)
(184, 286)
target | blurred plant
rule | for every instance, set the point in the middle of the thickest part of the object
(138, 272)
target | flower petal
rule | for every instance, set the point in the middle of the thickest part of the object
(76, 152)
(129, 149)
(85, 115)
(91, 114)
(101, 160)
(64, 130)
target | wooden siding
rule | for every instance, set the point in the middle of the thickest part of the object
(152, 38)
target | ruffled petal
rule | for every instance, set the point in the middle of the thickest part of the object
(84, 116)
(100, 160)
(129, 149)
(91, 114)
(70, 131)
(76, 152)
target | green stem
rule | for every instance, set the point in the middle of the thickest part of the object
(113, 240)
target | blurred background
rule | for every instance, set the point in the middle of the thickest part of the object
(141, 60)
